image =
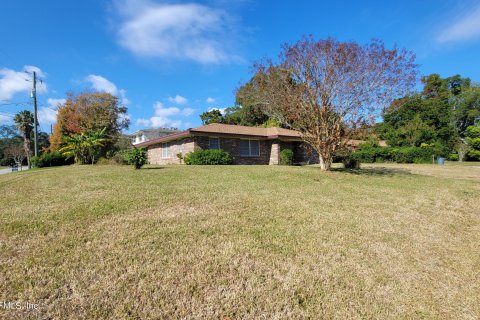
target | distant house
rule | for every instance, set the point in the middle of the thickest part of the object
(247, 145)
(150, 134)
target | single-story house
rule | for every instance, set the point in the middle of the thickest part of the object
(247, 145)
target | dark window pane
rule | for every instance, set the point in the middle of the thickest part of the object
(254, 148)
(214, 143)
(244, 148)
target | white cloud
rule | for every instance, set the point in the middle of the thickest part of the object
(123, 97)
(178, 99)
(465, 28)
(210, 100)
(47, 116)
(37, 70)
(55, 103)
(162, 116)
(4, 118)
(100, 83)
(157, 122)
(181, 31)
(13, 82)
(188, 111)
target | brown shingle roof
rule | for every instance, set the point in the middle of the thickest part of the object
(227, 130)
(238, 131)
(247, 131)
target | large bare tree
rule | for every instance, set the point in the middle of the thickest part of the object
(325, 89)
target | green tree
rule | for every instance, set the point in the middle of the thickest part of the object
(8, 136)
(436, 115)
(212, 116)
(24, 122)
(473, 138)
(466, 109)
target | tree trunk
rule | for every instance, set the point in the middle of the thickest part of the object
(325, 162)
(26, 147)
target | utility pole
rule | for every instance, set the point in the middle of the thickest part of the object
(35, 123)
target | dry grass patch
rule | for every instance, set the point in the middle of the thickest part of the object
(387, 241)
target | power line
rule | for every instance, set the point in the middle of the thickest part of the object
(15, 103)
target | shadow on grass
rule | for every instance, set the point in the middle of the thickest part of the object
(152, 168)
(381, 171)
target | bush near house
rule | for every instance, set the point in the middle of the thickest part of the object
(208, 157)
(136, 157)
(286, 157)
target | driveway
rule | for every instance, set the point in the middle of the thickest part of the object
(8, 170)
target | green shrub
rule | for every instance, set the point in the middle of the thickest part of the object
(208, 157)
(351, 162)
(412, 155)
(6, 162)
(473, 155)
(136, 157)
(50, 159)
(36, 162)
(400, 155)
(119, 157)
(286, 157)
(472, 132)
(474, 143)
(453, 157)
(365, 155)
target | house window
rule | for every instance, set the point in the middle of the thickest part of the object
(165, 150)
(214, 143)
(249, 148)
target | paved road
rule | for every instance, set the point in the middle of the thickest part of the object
(8, 170)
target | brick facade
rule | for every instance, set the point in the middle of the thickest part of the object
(182, 146)
(269, 150)
(232, 146)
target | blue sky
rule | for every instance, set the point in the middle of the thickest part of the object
(169, 61)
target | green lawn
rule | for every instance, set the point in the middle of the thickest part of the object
(231, 242)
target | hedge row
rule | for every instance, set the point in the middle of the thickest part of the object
(50, 159)
(399, 155)
(208, 157)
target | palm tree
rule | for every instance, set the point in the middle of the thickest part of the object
(24, 122)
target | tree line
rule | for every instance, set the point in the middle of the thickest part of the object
(89, 126)
(334, 91)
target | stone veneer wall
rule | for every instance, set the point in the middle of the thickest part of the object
(183, 146)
